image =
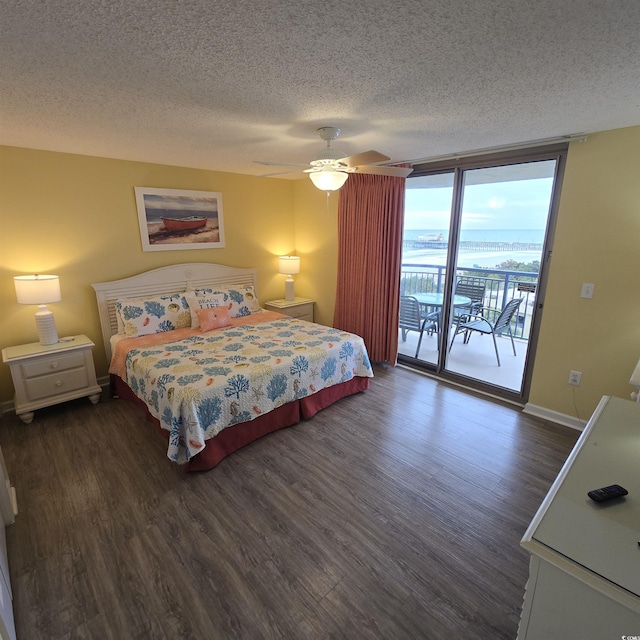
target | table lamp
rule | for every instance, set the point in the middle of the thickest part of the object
(40, 290)
(289, 265)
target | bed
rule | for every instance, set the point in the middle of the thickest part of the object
(213, 370)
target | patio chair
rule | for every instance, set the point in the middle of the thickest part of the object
(413, 319)
(473, 288)
(480, 324)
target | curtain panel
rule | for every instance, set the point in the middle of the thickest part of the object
(370, 229)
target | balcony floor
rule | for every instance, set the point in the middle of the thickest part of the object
(476, 360)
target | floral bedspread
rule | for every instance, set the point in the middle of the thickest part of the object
(200, 384)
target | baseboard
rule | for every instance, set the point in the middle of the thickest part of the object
(6, 407)
(554, 416)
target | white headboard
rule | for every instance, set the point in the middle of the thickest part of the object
(172, 279)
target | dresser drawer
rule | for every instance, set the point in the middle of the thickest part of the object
(57, 383)
(44, 366)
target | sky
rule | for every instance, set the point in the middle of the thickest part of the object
(520, 204)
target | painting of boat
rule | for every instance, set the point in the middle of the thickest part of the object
(172, 219)
(184, 224)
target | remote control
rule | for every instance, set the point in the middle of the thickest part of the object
(607, 493)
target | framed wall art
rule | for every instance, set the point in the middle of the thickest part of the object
(172, 219)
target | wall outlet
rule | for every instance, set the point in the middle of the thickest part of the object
(587, 290)
(574, 377)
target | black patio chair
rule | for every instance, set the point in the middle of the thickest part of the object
(480, 324)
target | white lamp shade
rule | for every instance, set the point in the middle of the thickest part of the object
(289, 264)
(37, 289)
(328, 180)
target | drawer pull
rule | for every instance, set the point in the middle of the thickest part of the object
(55, 365)
(58, 383)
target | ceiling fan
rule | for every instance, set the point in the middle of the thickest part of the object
(330, 170)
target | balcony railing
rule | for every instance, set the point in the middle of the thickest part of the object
(500, 287)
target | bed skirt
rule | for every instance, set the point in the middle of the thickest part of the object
(239, 435)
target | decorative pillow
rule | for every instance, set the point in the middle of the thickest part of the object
(142, 316)
(214, 318)
(196, 303)
(242, 300)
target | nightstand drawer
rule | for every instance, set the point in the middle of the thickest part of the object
(300, 308)
(51, 365)
(57, 383)
(302, 311)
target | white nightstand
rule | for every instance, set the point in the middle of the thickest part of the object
(301, 308)
(44, 375)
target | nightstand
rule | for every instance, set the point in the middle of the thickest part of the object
(301, 308)
(44, 375)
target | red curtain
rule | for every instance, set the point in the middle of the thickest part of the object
(370, 227)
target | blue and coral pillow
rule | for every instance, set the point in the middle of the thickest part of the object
(142, 316)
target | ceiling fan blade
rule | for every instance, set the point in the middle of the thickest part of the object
(280, 164)
(366, 157)
(279, 173)
(398, 172)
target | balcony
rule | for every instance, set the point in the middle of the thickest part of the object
(477, 359)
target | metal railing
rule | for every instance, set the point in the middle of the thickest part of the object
(500, 287)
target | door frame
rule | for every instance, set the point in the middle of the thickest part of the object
(457, 166)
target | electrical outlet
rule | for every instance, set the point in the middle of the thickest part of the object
(574, 377)
(587, 290)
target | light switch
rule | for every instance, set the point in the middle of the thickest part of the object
(587, 290)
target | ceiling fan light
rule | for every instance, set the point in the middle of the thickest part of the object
(328, 180)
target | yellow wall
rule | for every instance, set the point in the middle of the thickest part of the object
(316, 225)
(76, 216)
(597, 240)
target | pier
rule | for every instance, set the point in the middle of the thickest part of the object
(472, 245)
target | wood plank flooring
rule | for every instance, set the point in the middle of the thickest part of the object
(393, 514)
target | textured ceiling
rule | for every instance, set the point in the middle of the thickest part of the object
(218, 84)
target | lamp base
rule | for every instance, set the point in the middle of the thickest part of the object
(289, 294)
(46, 325)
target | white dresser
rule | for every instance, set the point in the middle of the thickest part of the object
(8, 510)
(584, 580)
(635, 382)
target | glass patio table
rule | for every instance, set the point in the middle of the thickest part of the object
(436, 300)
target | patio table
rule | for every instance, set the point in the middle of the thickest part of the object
(437, 299)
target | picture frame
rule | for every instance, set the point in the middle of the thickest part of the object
(175, 219)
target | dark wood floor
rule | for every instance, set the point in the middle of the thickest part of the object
(394, 514)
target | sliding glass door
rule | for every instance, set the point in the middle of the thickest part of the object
(425, 253)
(475, 243)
